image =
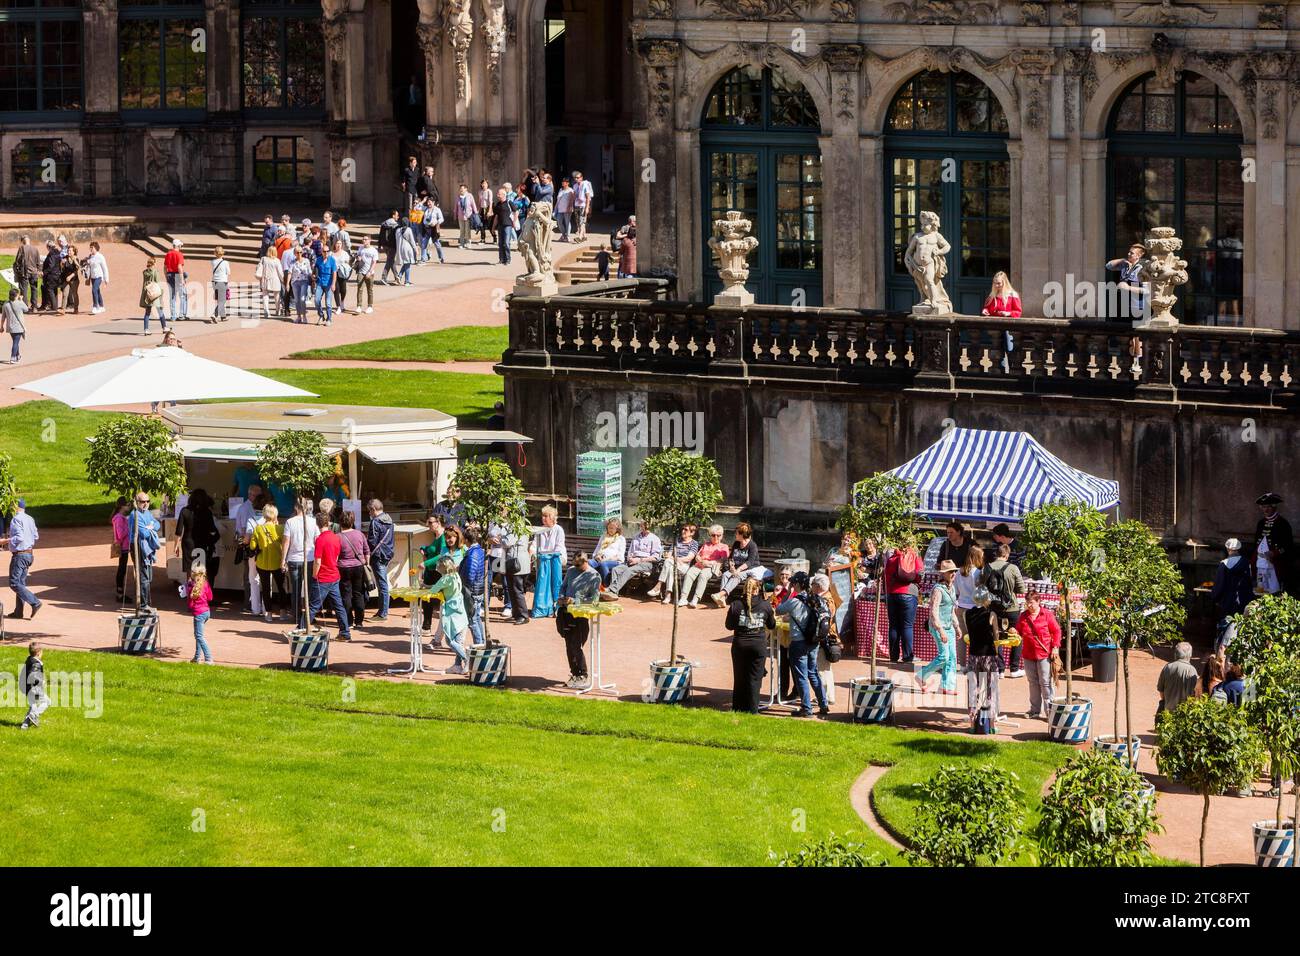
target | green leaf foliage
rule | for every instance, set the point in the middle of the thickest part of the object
(832, 851)
(1268, 621)
(1093, 815)
(296, 459)
(1062, 540)
(136, 453)
(674, 488)
(491, 494)
(1209, 746)
(883, 507)
(969, 815)
(8, 486)
(1131, 569)
(1272, 705)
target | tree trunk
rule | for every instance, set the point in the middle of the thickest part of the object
(306, 570)
(672, 646)
(1281, 785)
(1116, 699)
(875, 624)
(1128, 717)
(1295, 825)
(1205, 818)
(1069, 643)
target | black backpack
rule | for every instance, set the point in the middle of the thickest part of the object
(387, 236)
(1000, 596)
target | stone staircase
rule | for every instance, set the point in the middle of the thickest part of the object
(581, 265)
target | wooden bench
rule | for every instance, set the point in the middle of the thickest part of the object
(587, 543)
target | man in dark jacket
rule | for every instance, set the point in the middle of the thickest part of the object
(51, 277)
(382, 540)
(27, 271)
(503, 211)
(1273, 561)
(268, 236)
(425, 186)
(408, 181)
(1233, 590)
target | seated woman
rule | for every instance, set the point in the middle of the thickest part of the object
(684, 552)
(610, 550)
(743, 563)
(707, 565)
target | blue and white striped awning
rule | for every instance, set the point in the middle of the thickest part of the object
(998, 476)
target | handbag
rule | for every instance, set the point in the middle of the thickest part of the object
(476, 221)
(416, 217)
(153, 292)
(114, 551)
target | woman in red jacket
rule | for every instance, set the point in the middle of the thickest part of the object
(1040, 636)
(1003, 300)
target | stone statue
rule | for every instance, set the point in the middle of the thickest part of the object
(926, 261)
(732, 245)
(1164, 271)
(460, 28)
(494, 38)
(535, 246)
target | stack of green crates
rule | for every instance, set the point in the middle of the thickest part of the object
(600, 490)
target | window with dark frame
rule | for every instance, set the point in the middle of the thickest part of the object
(163, 59)
(40, 56)
(284, 162)
(282, 58)
(41, 165)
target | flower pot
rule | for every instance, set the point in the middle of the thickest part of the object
(1105, 659)
(670, 683)
(1147, 792)
(309, 650)
(1273, 844)
(137, 633)
(489, 664)
(1118, 748)
(872, 700)
(1069, 721)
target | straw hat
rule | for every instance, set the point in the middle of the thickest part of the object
(946, 566)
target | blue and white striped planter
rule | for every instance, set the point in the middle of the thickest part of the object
(872, 700)
(309, 651)
(1070, 721)
(1108, 743)
(489, 665)
(138, 633)
(1147, 793)
(670, 683)
(1274, 846)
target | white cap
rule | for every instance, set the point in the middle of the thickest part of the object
(176, 243)
(1232, 544)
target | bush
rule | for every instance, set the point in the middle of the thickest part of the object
(1092, 815)
(969, 815)
(832, 851)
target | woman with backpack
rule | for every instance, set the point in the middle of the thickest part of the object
(196, 531)
(1003, 581)
(749, 618)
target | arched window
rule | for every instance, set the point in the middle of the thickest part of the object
(40, 57)
(945, 152)
(1175, 160)
(758, 141)
(283, 56)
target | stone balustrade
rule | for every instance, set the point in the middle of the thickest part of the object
(633, 328)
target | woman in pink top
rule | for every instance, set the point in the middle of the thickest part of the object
(121, 543)
(198, 593)
(1003, 300)
(707, 564)
(354, 555)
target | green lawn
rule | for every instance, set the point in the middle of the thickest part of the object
(460, 343)
(287, 769)
(48, 440)
(6, 262)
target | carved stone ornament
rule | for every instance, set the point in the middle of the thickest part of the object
(926, 260)
(762, 9)
(661, 10)
(732, 244)
(941, 12)
(495, 36)
(843, 57)
(430, 36)
(1170, 14)
(844, 11)
(460, 27)
(661, 56)
(1033, 14)
(535, 246)
(1169, 60)
(1070, 14)
(1272, 16)
(1165, 271)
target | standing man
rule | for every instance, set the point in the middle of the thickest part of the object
(328, 545)
(502, 213)
(326, 270)
(382, 541)
(583, 196)
(1274, 544)
(268, 236)
(408, 181)
(11, 321)
(364, 267)
(174, 267)
(245, 521)
(466, 210)
(1177, 680)
(388, 242)
(425, 186)
(1002, 535)
(142, 529)
(27, 270)
(19, 541)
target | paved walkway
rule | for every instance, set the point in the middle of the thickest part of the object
(73, 577)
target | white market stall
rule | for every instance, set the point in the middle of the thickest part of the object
(403, 456)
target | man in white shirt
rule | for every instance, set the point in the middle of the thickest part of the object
(367, 256)
(299, 551)
(509, 554)
(247, 517)
(644, 552)
(582, 199)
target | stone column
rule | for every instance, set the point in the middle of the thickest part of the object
(872, 260)
(843, 248)
(658, 255)
(103, 172)
(1091, 267)
(360, 134)
(1264, 227)
(1032, 224)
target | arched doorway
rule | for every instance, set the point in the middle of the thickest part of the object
(946, 152)
(758, 143)
(1175, 160)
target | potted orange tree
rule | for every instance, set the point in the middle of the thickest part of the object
(674, 489)
(883, 507)
(296, 459)
(130, 455)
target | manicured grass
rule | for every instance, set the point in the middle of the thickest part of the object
(6, 262)
(286, 768)
(48, 440)
(460, 343)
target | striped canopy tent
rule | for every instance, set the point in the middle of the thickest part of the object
(998, 476)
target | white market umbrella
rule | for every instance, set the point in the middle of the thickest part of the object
(164, 374)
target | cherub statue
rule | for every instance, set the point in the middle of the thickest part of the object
(535, 242)
(926, 261)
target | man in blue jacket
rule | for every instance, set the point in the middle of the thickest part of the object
(142, 529)
(381, 539)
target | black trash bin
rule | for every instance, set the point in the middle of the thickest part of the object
(1104, 659)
